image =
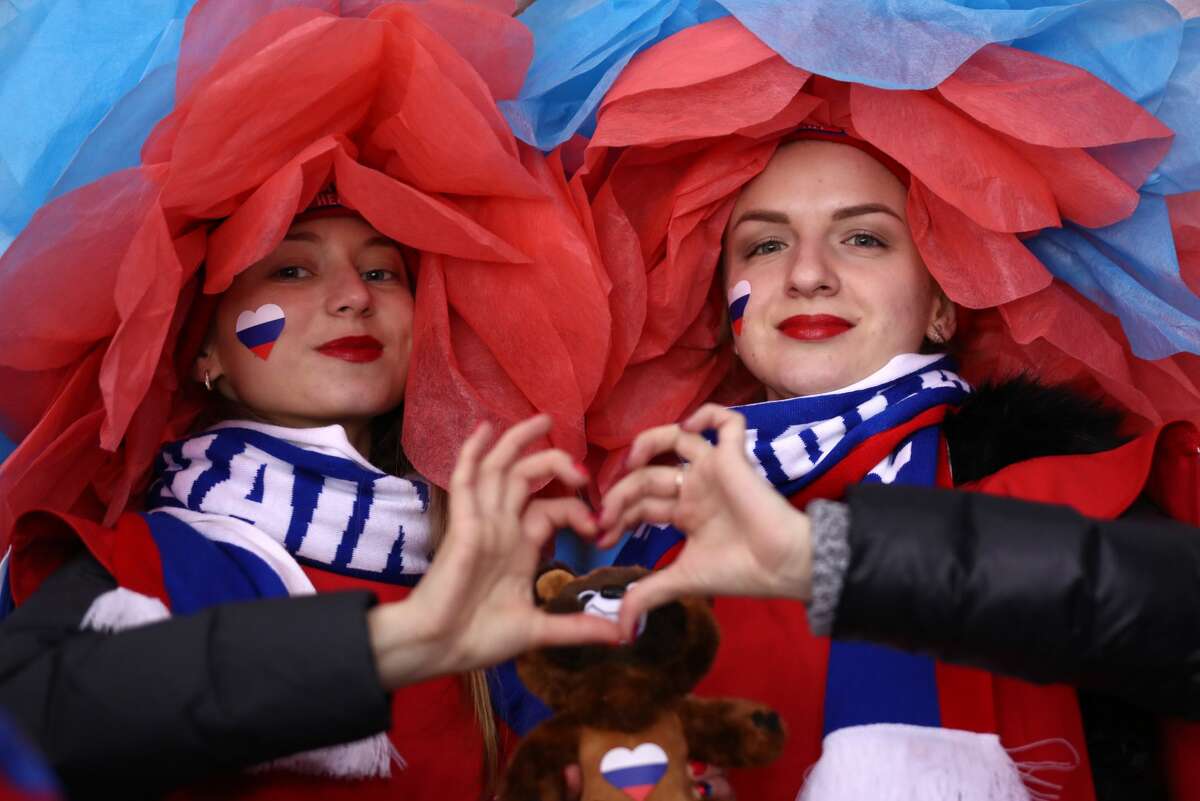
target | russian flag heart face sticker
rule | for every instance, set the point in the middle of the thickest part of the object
(259, 329)
(739, 297)
(634, 772)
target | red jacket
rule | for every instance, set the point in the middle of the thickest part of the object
(768, 654)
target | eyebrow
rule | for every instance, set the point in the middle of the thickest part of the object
(307, 236)
(381, 241)
(764, 215)
(865, 208)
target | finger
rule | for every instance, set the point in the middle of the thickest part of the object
(468, 457)
(494, 465)
(514, 440)
(648, 444)
(665, 439)
(462, 496)
(710, 415)
(731, 435)
(645, 510)
(729, 425)
(653, 482)
(576, 629)
(544, 517)
(654, 590)
(610, 537)
(537, 468)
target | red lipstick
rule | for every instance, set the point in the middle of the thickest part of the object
(814, 326)
(353, 349)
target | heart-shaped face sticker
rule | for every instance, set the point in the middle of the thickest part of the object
(636, 771)
(259, 329)
(739, 296)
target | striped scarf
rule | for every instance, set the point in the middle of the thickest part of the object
(307, 489)
(235, 510)
(882, 721)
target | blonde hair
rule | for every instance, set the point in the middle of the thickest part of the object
(475, 683)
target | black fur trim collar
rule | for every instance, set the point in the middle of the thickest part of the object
(1019, 419)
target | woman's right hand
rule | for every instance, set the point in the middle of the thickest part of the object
(475, 605)
(743, 537)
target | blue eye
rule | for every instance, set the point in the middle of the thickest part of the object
(380, 275)
(865, 240)
(766, 248)
(291, 272)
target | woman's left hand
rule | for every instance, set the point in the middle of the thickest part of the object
(743, 537)
(475, 605)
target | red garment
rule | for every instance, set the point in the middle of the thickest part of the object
(433, 728)
(768, 654)
(1009, 144)
(103, 305)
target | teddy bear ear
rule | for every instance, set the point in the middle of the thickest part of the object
(550, 582)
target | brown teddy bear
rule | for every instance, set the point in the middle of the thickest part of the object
(624, 713)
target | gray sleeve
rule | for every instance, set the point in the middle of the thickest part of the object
(1032, 590)
(830, 531)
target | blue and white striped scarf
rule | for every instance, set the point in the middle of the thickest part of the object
(234, 510)
(795, 441)
(882, 716)
(307, 489)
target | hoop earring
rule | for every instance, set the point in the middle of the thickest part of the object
(207, 381)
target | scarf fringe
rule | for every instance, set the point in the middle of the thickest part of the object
(1042, 789)
(120, 609)
(899, 762)
(370, 758)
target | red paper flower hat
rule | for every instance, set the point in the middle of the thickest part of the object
(103, 302)
(1011, 143)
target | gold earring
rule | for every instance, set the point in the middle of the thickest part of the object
(937, 337)
(207, 381)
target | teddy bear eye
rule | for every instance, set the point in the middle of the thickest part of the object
(585, 596)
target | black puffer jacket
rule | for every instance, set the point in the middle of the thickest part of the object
(98, 704)
(135, 714)
(1035, 591)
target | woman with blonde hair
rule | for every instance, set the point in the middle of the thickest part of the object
(241, 370)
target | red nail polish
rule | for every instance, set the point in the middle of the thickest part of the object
(579, 466)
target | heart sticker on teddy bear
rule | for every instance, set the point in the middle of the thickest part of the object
(634, 772)
(259, 329)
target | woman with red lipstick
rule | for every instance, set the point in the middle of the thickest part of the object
(843, 327)
(837, 287)
(850, 231)
(239, 372)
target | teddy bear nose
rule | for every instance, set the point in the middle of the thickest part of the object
(613, 591)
